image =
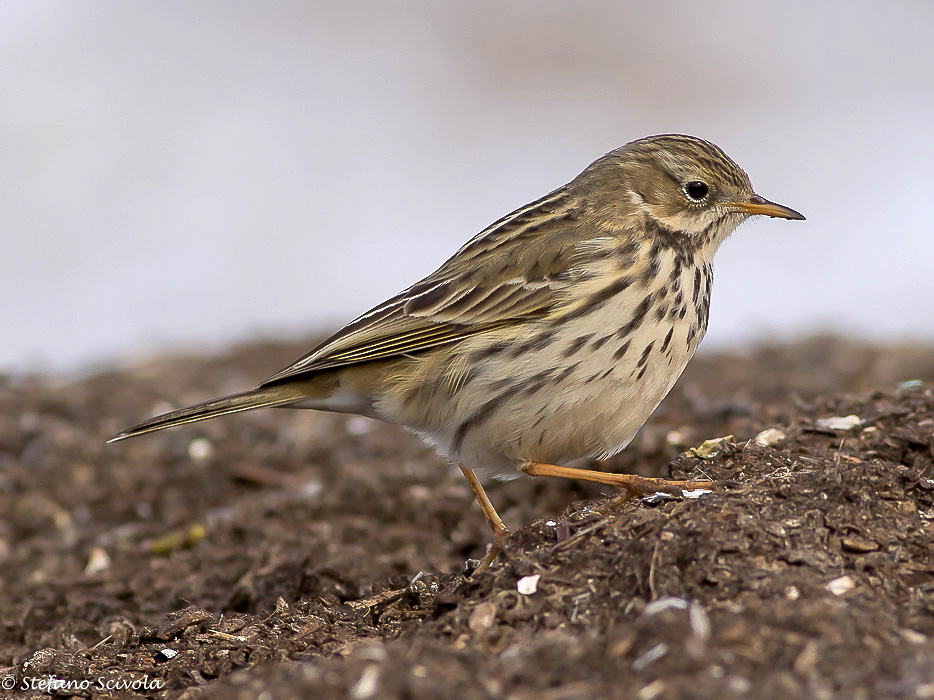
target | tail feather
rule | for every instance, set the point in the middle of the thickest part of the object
(244, 401)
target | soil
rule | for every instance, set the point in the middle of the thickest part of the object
(301, 554)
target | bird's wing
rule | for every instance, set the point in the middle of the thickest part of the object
(512, 271)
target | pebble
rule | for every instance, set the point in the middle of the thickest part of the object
(841, 585)
(838, 422)
(528, 585)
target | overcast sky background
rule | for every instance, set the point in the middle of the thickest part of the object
(179, 175)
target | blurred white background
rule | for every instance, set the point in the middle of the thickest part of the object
(178, 175)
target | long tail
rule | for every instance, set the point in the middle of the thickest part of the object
(245, 401)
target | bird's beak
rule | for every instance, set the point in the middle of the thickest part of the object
(760, 205)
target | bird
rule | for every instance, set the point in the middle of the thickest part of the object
(549, 337)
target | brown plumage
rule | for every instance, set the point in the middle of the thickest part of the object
(551, 335)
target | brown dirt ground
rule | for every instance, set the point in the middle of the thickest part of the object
(311, 555)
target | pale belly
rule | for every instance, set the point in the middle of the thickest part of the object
(583, 395)
(553, 391)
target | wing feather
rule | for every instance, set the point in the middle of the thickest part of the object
(493, 281)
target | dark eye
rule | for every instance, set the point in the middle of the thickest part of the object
(696, 190)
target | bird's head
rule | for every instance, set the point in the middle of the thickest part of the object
(681, 185)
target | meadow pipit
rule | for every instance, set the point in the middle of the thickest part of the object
(551, 335)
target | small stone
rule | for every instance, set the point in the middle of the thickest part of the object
(700, 622)
(368, 684)
(653, 654)
(663, 604)
(200, 449)
(695, 493)
(482, 617)
(839, 422)
(676, 438)
(653, 690)
(658, 497)
(854, 543)
(807, 659)
(708, 448)
(310, 489)
(907, 387)
(841, 585)
(528, 585)
(769, 437)
(98, 561)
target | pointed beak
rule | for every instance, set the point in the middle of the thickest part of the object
(760, 205)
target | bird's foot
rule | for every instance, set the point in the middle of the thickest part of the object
(634, 485)
(496, 548)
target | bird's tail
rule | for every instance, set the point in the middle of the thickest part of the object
(244, 401)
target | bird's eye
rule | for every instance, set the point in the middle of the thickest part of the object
(696, 190)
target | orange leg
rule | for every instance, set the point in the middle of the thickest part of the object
(500, 532)
(635, 485)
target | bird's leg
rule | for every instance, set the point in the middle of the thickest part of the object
(500, 532)
(635, 485)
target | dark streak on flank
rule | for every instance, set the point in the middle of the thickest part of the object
(490, 351)
(501, 384)
(702, 302)
(485, 412)
(600, 342)
(645, 354)
(622, 350)
(675, 275)
(567, 372)
(707, 291)
(536, 382)
(651, 271)
(667, 342)
(642, 373)
(607, 373)
(576, 345)
(537, 342)
(637, 317)
(680, 262)
(598, 298)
